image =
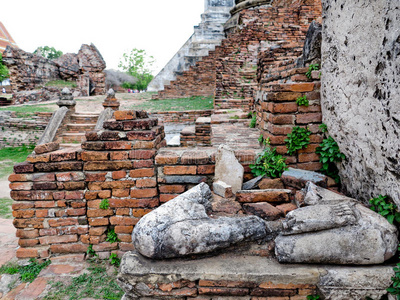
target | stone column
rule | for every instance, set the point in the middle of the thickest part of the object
(111, 101)
(67, 100)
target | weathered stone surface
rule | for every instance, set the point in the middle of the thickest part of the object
(252, 184)
(360, 72)
(225, 206)
(335, 232)
(269, 183)
(45, 148)
(181, 227)
(228, 169)
(53, 125)
(298, 178)
(105, 115)
(222, 189)
(312, 46)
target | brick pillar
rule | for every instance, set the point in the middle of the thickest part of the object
(119, 166)
(111, 101)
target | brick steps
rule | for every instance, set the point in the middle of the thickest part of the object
(73, 137)
(231, 104)
(80, 123)
(86, 118)
(80, 127)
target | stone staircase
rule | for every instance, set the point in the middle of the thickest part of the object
(79, 124)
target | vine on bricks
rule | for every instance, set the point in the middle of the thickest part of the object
(298, 139)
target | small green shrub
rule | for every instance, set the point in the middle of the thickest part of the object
(311, 68)
(298, 139)
(90, 252)
(384, 207)
(302, 101)
(263, 141)
(394, 289)
(330, 154)
(253, 121)
(115, 260)
(269, 163)
(323, 128)
(104, 204)
(313, 297)
(112, 237)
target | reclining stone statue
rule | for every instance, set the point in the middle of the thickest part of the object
(182, 227)
(334, 229)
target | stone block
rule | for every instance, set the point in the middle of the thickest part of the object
(45, 148)
(222, 189)
(263, 210)
(298, 178)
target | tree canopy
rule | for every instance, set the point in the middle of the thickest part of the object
(48, 52)
(3, 69)
(138, 64)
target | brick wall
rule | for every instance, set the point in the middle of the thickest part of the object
(58, 194)
(187, 116)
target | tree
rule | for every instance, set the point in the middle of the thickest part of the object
(117, 78)
(3, 69)
(138, 64)
(48, 52)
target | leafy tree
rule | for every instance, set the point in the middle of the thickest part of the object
(48, 52)
(3, 69)
(138, 64)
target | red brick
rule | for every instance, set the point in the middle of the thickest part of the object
(122, 212)
(120, 193)
(144, 193)
(19, 177)
(139, 173)
(119, 155)
(104, 194)
(28, 242)
(21, 186)
(22, 205)
(138, 213)
(263, 196)
(166, 197)
(123, 221)
(23, 214)
(68, 248)
(180, 170)
(172, 189)
(48, 232)
(63, 222)
(138, 164)
(42, 213)
(308, 157)
(283, 108)
(95, 213)
(282, 119)
(206, 169)
(311, 166)
(223, 291)
(105, 247)
(309, 118)
(141, 135)
(76, 212)
(167, 158)
(97, 230)
(94, 156)
(98, 222)
(118, 145)
(63, 239)
(120, 115)
(142, 154)
(195, 158)
(44, 177)
(123, 229)
(147, 182)
(74, 195)
(27, 234)
(74, 185)
(286, 207)
(311, 148)
(95, 176)
(27, 253)
(126, 247)
(125, 238)
(107, 165)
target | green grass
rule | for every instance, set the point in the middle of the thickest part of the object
(5, 208)
(97, 284)
(11, 156)
(192, 103)
(27, 273)
(29, 110)
(62, 83)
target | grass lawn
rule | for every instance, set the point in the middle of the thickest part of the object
(11, 156)
(5, 208)
(29, 110)
(192, 103)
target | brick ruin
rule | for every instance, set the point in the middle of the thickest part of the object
(29, 72)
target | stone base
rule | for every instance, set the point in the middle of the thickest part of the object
(246, 277)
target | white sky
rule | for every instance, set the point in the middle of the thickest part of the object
(158, 26)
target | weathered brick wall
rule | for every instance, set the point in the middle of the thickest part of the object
(16, 131)
(199, 80)
(278, 113)
(187, 116)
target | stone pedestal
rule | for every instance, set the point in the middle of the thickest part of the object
(111, 101)
(67, 100)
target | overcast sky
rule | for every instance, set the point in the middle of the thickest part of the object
(158, 26)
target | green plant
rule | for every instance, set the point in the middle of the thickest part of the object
(90, 252)
(234, 118)
(263, 141)
(394, 289)
(311, 68)
(302, 101)
(4, 73)
(27, 273)
(323, 128)
(269, 163)
(313, 297)
(253, 121)
(104, 204)
(48, 52)
(298, 139)
(115, 260)
(384, 207)
(329, 155)
(112, 237)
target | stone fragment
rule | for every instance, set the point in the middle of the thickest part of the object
(222, 189)
(228, 169)
(45, 148)
(53, 125)
(335, 231)
(271, 195)
(182, 227)
(269, 183)
(298, 178)
(263, 210)
(252, 184)
(312, 46)
(223, 206)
